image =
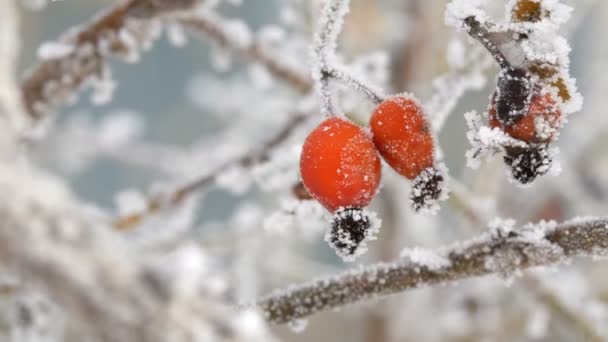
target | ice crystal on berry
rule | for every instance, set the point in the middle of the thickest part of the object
(351, 228)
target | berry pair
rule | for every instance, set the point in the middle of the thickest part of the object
(340, 166)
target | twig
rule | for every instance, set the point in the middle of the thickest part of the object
(211, 25)
(488, 254)
(324, 50)
(155, 204)
(106, 290)
(52, 82)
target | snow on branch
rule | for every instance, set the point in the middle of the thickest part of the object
(77, 58)
(178, 195)
(106, 290)
(505, 251)
(213, 26)
(325, 64)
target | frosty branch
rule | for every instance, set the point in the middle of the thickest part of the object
(52, 82)
(176, 197)
(212, 26)
(504, 252)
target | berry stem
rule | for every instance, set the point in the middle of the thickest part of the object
(356, 84)
(481, 33)
(324, 51)
(324, 47)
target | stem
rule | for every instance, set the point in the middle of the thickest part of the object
(482, 35)
(324, 47)
(356, 84)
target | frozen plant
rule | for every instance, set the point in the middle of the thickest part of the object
(306, 151)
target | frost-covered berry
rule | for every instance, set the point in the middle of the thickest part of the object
(341, 169)
(403, 136)
(339, 165)
(539, 124)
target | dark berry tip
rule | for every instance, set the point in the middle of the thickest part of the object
(427, 189)
(349, 228)
(526, 164)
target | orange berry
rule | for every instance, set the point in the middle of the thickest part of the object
(339, 165)
(402, 135)
(537, 126)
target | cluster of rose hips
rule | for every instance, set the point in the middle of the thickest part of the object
(340, 163)
(527, 102)
(341, 168)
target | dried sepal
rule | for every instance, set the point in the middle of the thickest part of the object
(526, 164)
(350, 229)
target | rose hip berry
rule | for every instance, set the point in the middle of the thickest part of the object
(402, 135)
(341, 169)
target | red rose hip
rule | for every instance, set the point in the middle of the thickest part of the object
(339, 165)
(402, 135)
(341, 169)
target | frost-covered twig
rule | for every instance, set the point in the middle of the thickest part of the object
(212, 26)
(106, 290)
(325, 62)
(505, 253)
(78, 56)
(175, 197)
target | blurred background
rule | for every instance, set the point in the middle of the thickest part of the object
(188, 105)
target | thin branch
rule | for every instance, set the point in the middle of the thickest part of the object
(355, 83)
(503, 254)
(211, 25)
(324, 52)
(177, 196)
(53, 81)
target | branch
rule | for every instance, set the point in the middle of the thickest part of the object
(503, 253)
(106, 290)
(53, 82)
(211, 25)
(177, 196)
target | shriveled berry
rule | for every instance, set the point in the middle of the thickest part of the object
(403, 136)
(339, 165)
(538, 125)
